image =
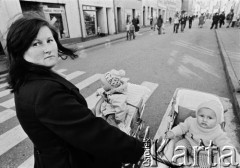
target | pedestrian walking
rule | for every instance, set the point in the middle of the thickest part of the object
(234, 20)
(159, 24)
(201, 21)
(182, 21)
(135, 22)
(154, 23)
(229, 18)
(130, 33)
(221, 19)
(55, 116)
(190, 20)
(170, 20)
(176, 23)
(215, 21)
(151, 22)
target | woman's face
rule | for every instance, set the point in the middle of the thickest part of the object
(43, 50)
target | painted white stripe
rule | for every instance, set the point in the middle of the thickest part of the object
(8, 104)
(151, 86)
(61, 70)
(88, 81)
(3, 75)
(11, 138)
(3, 85)
(4, 93)
(29, 163)
(92, 100)
(6, 114)
(195, 49)
(200, 47)
(74, 75)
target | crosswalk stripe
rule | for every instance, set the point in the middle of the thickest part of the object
(6, 115)
(88, 81)
(3, 85)
(4, 93)
(61, 70)
(92, 100)
(11, 138)
(8, 104)
(29, 163)
(151, 86)
(74, 75)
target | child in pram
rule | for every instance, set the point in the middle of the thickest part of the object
(114, 93)
(203, 130)
(122, 103)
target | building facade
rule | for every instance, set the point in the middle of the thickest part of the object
(126, 10)
(80, 19)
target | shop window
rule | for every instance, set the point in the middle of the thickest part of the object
(58, 23)
(90, 22)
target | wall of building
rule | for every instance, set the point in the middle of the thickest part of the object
(99, 10)
(127, 10)
(8, 11)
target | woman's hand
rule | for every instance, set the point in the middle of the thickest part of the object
(170, 135)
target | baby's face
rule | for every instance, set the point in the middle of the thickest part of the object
(206, 118)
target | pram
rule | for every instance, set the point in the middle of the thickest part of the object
(182, 105)
(137, 96)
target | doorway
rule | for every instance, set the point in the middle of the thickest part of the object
(119, 20)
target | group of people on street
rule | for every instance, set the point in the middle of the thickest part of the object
(157, 23)
(231, 20)
(181, 20)
(55, 116)
(132, 28)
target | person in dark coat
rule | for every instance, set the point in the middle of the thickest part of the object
(221, 19)
(170, 20)
(50, 109)
(135, 22)
(215, 21)
(190, 20)
(182, 21)
(159, 24)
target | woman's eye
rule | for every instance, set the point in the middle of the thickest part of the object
(50, 40)
(36, 44)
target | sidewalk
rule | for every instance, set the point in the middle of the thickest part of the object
(229, 45)
(103, 40)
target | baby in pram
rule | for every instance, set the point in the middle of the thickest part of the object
(201, 131)
(114, 92)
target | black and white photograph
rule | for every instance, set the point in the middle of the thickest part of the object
(119, 83)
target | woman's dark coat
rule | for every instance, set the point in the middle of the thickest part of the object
(64, 131)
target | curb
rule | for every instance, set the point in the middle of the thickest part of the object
(104, 42)
(233, 84)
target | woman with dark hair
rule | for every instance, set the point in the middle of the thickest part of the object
(51, 110)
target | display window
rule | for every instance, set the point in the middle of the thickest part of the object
(89, 13)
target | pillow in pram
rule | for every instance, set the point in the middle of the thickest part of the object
(184, 113)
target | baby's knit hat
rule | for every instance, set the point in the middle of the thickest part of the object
(216, 107)
(113, 78)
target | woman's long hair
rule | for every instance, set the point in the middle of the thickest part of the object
(21, 34)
